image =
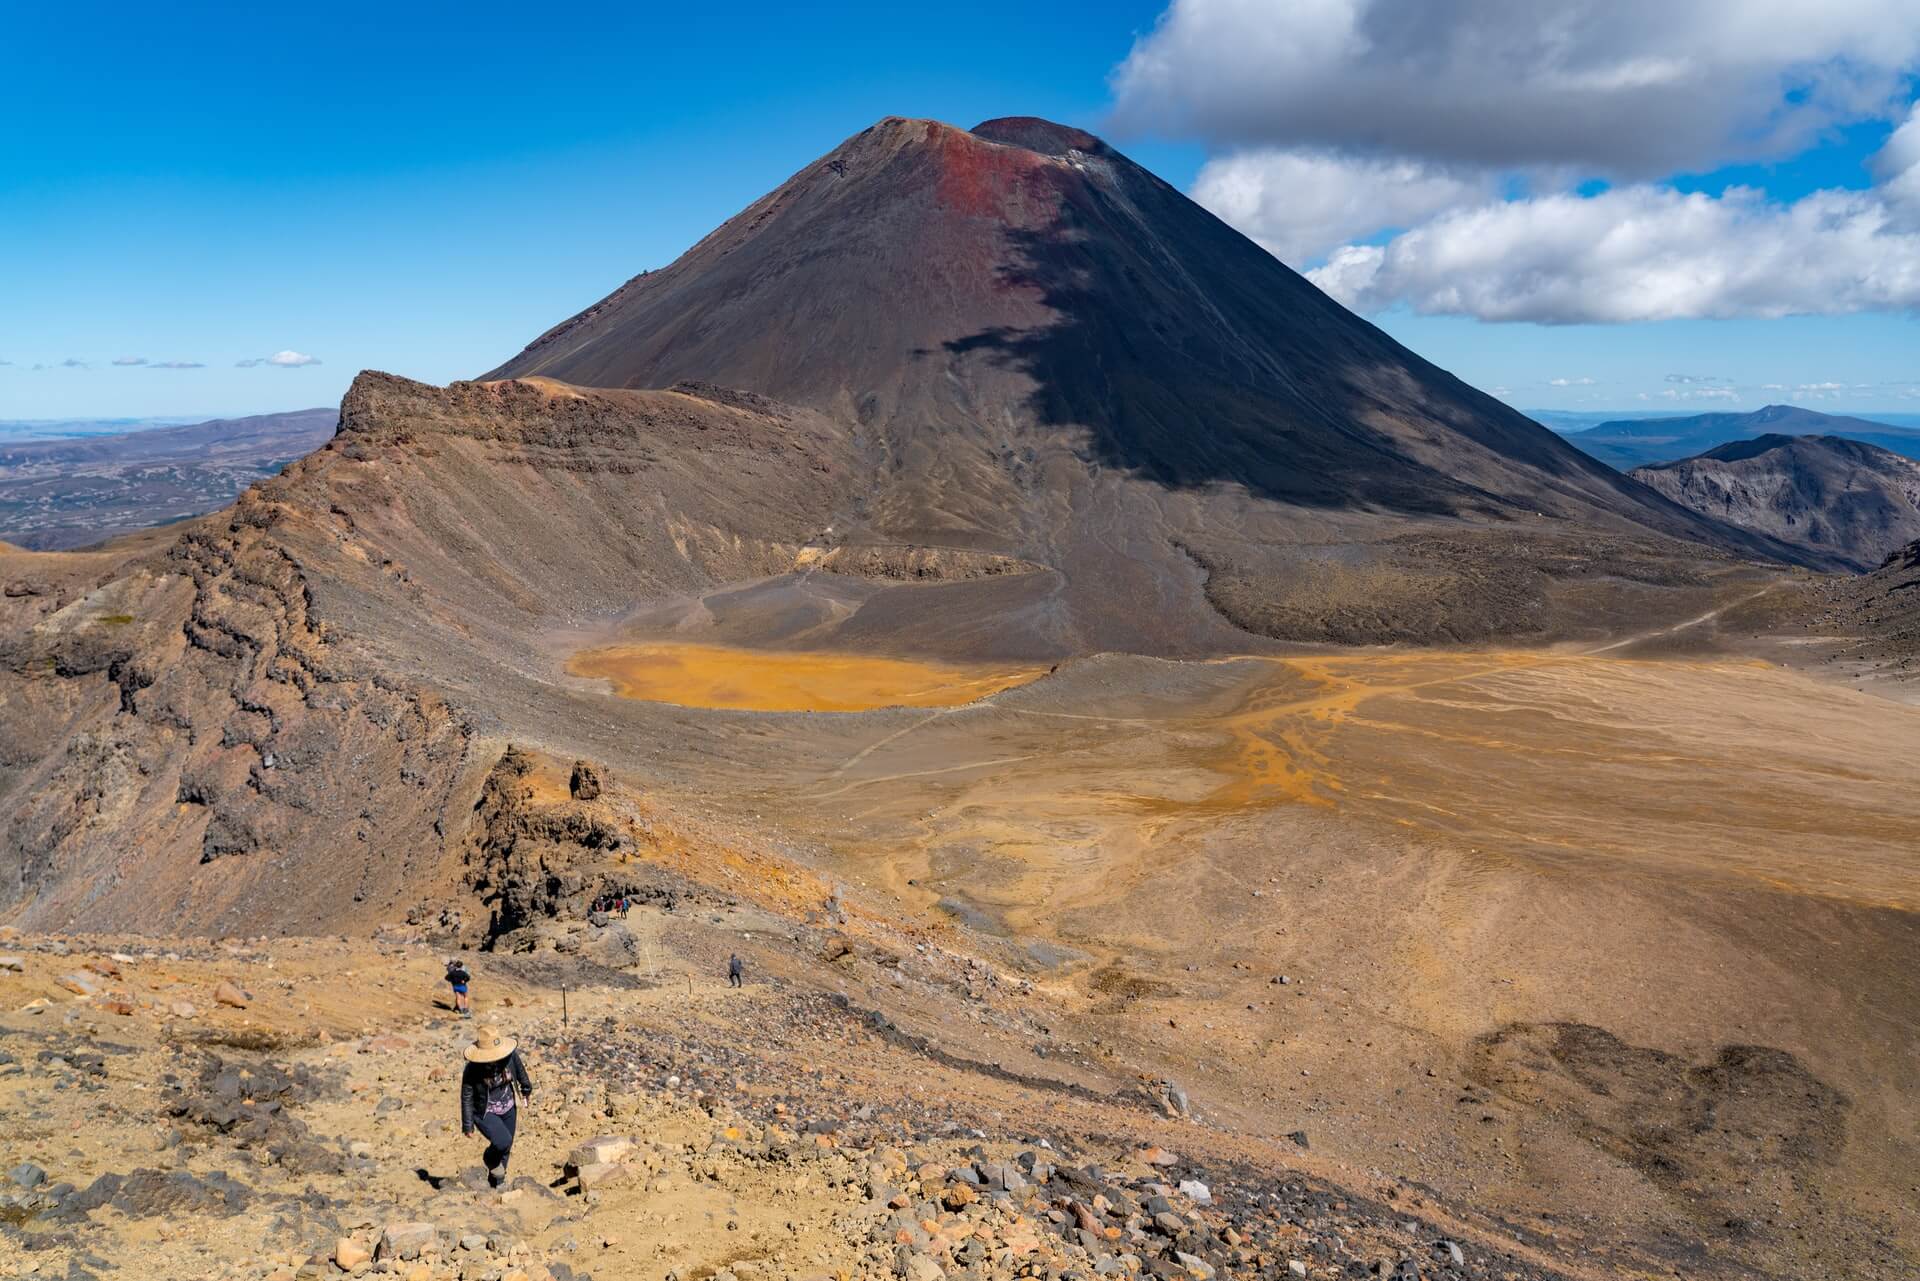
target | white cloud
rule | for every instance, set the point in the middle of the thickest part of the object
(1628, 88)
(1570, 382)
(1299, 204)
(1701, 393)
(74, 362)
(130, 360)
(1898, 166)
(282, 359)
(1431, 153)
(176, 364)
(1641, 253)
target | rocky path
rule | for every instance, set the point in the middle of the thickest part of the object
(678, 1132)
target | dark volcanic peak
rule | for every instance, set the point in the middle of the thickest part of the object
(1847, 499)
(1043, 136)
(1013, 311)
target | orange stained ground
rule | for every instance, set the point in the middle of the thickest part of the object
(719, 676)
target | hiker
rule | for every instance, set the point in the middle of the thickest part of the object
(625, 903)
(736, 971)
(490, 1087)
(458, 976)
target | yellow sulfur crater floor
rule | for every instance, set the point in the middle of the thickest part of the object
(720, 676)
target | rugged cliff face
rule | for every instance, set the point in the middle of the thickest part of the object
(186, 746)
(242, 725)
(1843, 499)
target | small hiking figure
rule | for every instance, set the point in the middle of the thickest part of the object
(490, 1086)
(736, 971)
(458, 976)
(625, 903)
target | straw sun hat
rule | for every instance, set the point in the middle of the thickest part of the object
(489, 1047)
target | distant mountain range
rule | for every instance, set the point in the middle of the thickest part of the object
(73, 490)
(14, 431)
(1635, 442)
(1847, 498)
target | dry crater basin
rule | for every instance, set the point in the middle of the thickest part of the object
(1560, 930)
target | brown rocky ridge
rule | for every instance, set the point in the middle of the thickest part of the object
(1845, 499)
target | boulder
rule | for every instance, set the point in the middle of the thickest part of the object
(605, 1150)
(920, 1267)
(600, 1174)
(231, 994)
(76, 984)
(13, 964)
(1195, 1265)
(585, 783)
(349, 1254)
(405, 1240)
(115, 1003)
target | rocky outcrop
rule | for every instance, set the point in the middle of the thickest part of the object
(585, 782)
(1847, 500)
(911, 563)
(1875, 617)
(523, 858)
(189, 745)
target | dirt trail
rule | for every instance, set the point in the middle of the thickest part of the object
(282, 1138)
(1688, 624)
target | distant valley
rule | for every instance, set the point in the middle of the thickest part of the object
(72, 491)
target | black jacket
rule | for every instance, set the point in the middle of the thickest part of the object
(479, 1076)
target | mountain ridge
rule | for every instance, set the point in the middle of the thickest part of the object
(1829, 494)
(1635, 442)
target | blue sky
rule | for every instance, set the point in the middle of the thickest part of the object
(270, 200)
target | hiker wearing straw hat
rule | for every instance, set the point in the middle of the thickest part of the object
(490, 1089)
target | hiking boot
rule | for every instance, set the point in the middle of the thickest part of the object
(497, 1178)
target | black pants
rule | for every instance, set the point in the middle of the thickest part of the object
(498, 1127)
(733, 980)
